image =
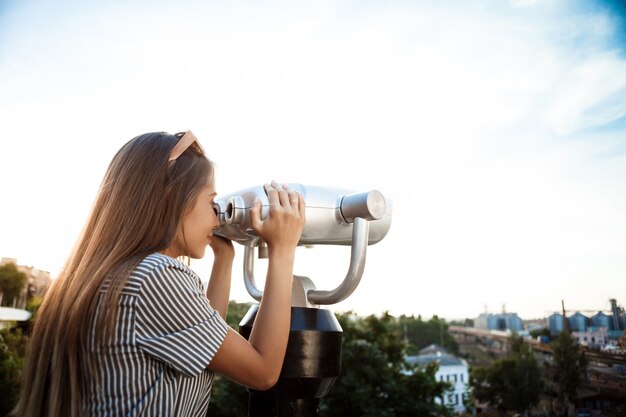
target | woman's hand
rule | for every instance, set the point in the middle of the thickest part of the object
(283, 227)
(222, 248)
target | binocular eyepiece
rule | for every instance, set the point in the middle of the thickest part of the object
(330, 213)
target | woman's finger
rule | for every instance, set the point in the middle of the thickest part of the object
(282, 194)
(272, 195)
(255, 215)
(294, 197)
(302, 207)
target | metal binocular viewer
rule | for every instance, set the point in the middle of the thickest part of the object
(313, 358)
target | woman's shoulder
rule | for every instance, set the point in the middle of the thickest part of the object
(160, 266)
(157, 261)
(160, 280)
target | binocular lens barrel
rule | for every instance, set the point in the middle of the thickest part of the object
(330, 213)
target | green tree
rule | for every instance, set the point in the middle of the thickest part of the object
(540, 332)
(420, 334)
(463, 323)
(229, 399)
(570, 363)
(527, 378)
(236, 312)
(376, 381)
(12, 352)
(12, 282)
(510, 384)
(33, 304)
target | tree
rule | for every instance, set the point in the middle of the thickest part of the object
(544, 331)
(376, 381)
(229, 399)
(12, 352)
(463, 323)
(571, 363)
(511, 384)
(527, 378)
(12, 282)
(421, 333)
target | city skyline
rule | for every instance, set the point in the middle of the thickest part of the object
(496, 128)
(486, 311)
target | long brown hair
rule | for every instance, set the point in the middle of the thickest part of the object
(138, 211)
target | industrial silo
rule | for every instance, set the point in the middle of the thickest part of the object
(578, 322)
(515, 323)
(602, 320)
(555, 323)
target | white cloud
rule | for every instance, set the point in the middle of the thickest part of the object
(589, 94)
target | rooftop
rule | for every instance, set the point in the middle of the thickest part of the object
(435, 353)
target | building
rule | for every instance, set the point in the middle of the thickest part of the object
(37, 283)
(451, 369)
(502, 321)
(594, 337)
(613, 322)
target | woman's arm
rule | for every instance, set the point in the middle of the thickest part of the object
(218, 291)
(257, 362)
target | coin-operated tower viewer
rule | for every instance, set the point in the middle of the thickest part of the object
(313, 358)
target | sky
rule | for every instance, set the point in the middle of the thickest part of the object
(496, 128)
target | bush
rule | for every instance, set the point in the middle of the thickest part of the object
(12, 351)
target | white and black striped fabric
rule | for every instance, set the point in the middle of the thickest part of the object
(166, 333)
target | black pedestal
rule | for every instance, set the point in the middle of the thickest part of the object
(312, 364)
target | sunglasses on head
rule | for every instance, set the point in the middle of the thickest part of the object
(186, 140)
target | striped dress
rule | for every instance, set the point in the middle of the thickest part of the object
(166, 333)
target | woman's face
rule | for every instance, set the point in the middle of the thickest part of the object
(197, 226)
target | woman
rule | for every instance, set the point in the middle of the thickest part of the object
(126, 329)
